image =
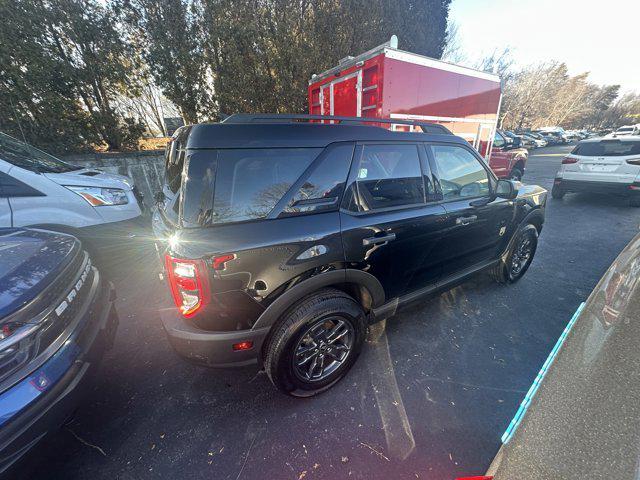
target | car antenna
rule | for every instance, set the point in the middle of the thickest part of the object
(15, 112)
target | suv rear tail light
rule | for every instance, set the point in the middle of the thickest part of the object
(189, 284)
(634, 161)
(569, 160)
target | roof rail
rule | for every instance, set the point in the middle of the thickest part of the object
(427, 127)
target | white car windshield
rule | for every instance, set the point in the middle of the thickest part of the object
(25, 156)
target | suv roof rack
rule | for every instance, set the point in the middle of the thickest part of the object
(427, 127)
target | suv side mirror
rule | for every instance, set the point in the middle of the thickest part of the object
(506, 189)
(517, 142)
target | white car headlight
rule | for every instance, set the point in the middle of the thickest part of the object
(97, 196)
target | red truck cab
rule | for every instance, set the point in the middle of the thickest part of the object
(389, 83)
(507, 160)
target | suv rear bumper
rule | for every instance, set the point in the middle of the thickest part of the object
(213, 349)
(44, 399)
(628, 189)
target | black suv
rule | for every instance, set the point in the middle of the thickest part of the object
(286, 237)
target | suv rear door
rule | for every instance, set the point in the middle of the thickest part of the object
(389, 228)
(477, 225)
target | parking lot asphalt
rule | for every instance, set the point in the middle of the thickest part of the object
(430, 396)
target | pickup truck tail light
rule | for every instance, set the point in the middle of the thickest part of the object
(189, 284)
(569, 160)
(633, 161)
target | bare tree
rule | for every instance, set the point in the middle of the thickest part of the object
(453, 51)
(150, 107)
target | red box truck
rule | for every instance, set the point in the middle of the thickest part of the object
(389, 83)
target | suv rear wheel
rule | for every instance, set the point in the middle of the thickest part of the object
(316, 343)
(520, 256)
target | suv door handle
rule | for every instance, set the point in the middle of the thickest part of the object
(466, 220)
(377, 240)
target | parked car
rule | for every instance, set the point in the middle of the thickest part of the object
(605, 165)
(556, 132)
(572, 135)
(288, 239)
(57, 318)
(508, 159)
(584, 134)
(531, 142)
(520, 139)
(547, 137)
(553, 138)
(540, 140)
(627, 130)
(41, 191)
(580, 417)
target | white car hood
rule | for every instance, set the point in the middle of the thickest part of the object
(91, 177)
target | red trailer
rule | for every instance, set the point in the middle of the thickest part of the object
(389, 83)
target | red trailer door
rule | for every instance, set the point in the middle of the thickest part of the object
(345, 97)
(325, 99)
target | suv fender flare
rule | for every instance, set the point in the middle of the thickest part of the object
(335, 277)
(534, 217)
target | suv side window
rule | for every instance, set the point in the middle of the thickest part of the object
(388, 176)
(322, 189)
(461, 174)
(12, 187)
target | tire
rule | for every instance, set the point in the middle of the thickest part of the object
(557, 192)
(634, 202)
(505, 271)
(516, 174)
(305, 332)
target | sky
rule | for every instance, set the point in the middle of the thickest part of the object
(600, 37)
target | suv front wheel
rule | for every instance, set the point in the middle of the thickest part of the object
(520, 256)
(316, 343)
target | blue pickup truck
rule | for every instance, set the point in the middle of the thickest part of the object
(56, 319)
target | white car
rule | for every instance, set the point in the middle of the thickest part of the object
(627, 130)
(540, 142)
(605, 165)
(38, 190)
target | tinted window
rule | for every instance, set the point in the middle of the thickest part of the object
(389, 176)
(608, 148)
(498, 141)
(245, 184)
(461, 174)
(323, 188)
(30, 158)
(12, 187)
(174, 161)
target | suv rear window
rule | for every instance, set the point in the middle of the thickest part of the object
(237, 185)
(607, 148)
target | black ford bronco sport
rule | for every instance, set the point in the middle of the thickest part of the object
(282, 237)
